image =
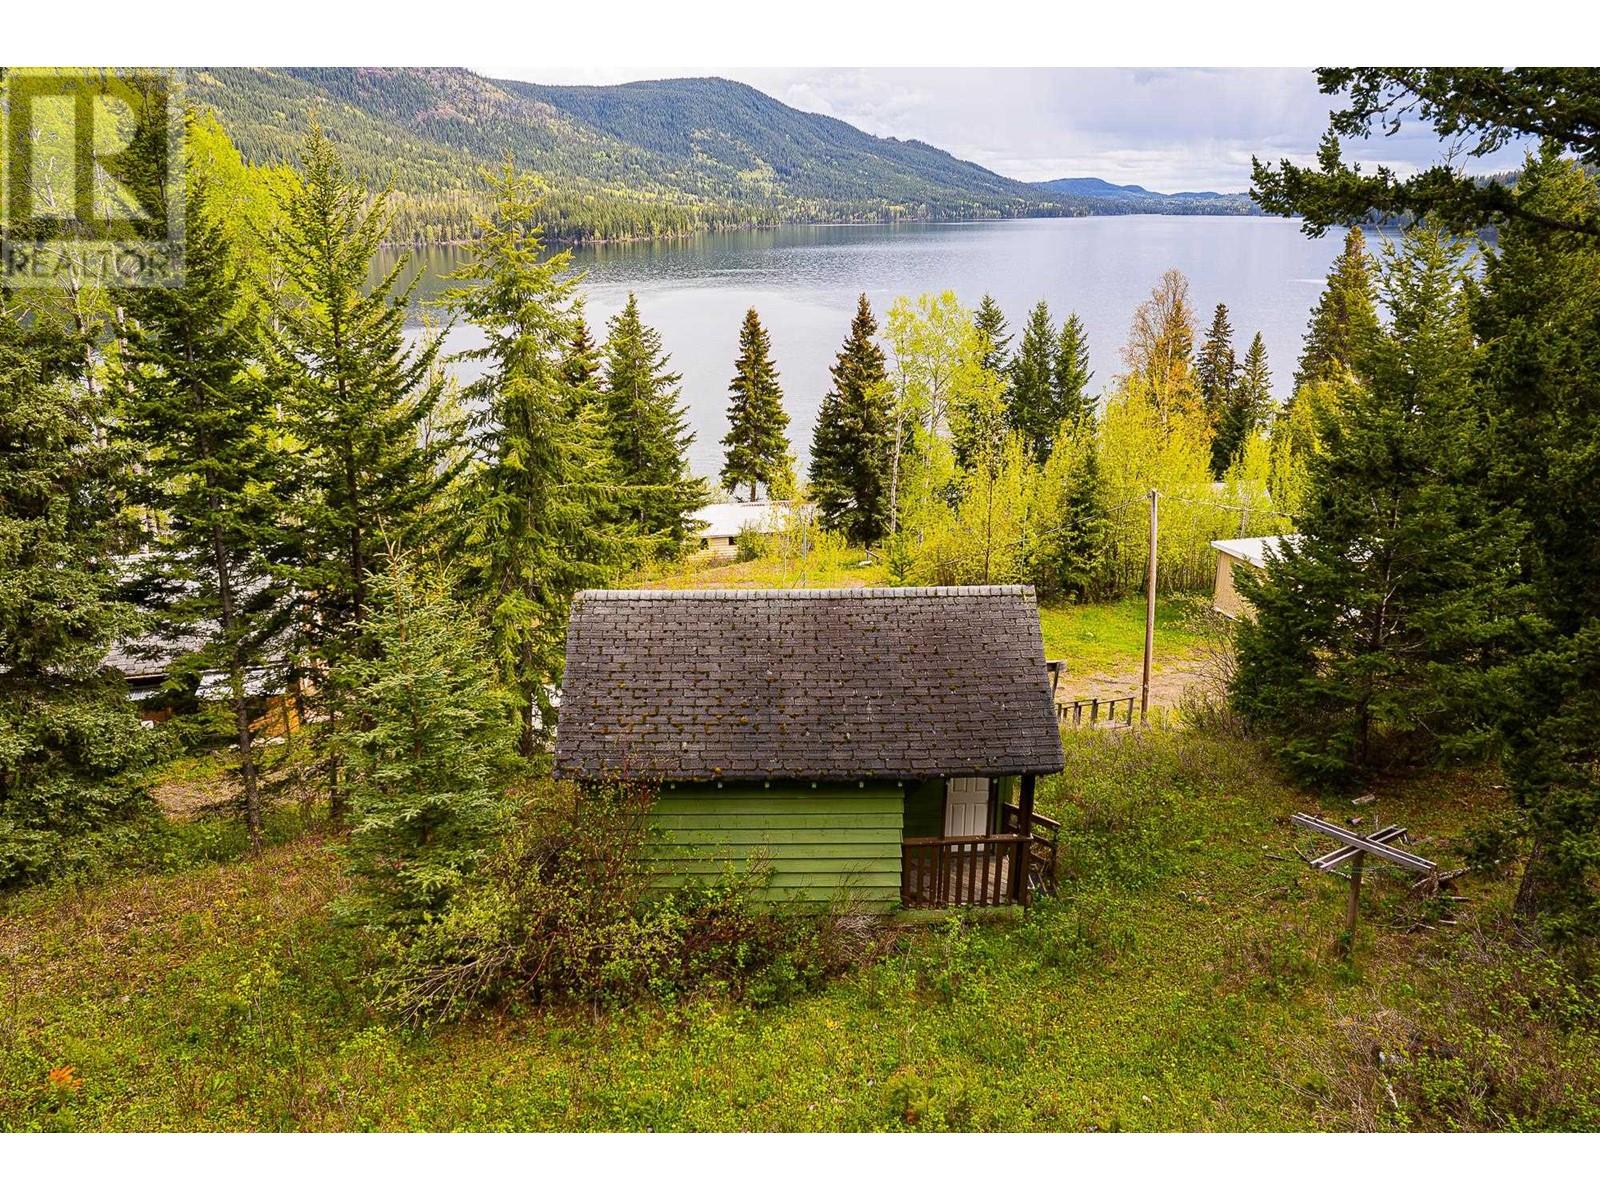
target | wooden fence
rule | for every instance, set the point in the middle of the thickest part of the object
(979, 871)
(1094, 711)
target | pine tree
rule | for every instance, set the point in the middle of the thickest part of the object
(1377, 630)
(539, 519)
(1216, 371)
(1345, 319)
(429, 746)
(850, 444)
(991, 324)
(1249, 403)
(647, 430)
(757, 447)
(1032, 393)
(580, 365)
(1070, 375)
(1541, 386)
(67, 731)
(199, 405)
(1068, 556)
(355, 398)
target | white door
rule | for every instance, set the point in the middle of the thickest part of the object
(966, 808)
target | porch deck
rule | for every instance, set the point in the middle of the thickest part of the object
(981, 872)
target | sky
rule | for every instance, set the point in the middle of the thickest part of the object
(1167, 129)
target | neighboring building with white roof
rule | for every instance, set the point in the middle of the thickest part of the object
(1233, 553)
(721, 524)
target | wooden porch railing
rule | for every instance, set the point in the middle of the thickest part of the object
(979, 871)
(1044, 839)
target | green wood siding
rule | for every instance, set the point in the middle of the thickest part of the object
(925, 808)
(821, 843)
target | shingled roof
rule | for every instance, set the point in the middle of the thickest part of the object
(863, 683)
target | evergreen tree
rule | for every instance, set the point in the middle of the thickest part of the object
(757, 447)
(1068, 557)
(580, 365)
(197, 402)
(1071, 375)
(850, 444)
(1217, 369)
(539, 517)
(1377, 629)
(1345, 319)
(991, 324)
(1032, 395)
(1249, 403)
(67, 731)
(429, 746)
(647, 430)
(1541, 383)
(355, 398)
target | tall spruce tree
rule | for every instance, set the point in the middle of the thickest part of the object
(1216, 370)
(1248, 405)
(850, 444)
(1073, 535)
(646, 427)
(1541, 382)
(197, 402)
(1377, 630)
(580, 365)
(67, 732)
(1031, 397)
(355, 397)
(991, 324)
(429, 747)
(539, 524)
(757, 446)
(1070, 374)
(1345, 320)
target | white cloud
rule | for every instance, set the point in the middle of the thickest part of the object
(1166, 129)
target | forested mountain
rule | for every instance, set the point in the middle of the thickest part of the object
(634, 160)
(1104, 197)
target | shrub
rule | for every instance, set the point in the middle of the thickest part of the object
(564, 909)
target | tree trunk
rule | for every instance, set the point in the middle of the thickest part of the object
(247, 758)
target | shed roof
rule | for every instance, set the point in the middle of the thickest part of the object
(862, 683)
(731, 518)
(1254, 551)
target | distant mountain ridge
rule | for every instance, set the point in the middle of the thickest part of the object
(1089, 187)
(647, 159)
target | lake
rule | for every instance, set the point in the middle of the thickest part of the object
(804, 281)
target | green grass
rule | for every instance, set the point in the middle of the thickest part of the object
(1108, 636)
(1185, 979)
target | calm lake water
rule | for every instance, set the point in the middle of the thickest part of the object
(804, 281)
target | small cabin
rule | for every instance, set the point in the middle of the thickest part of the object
(880, 745)
(719, 525)
(1233, 556)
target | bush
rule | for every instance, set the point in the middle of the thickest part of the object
(564, 910)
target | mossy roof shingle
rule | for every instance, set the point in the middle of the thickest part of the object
(865, 683)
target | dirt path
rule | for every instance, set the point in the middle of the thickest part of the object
(1167, 684)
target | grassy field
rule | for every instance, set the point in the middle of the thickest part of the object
(1104, 637)
(1184, 979)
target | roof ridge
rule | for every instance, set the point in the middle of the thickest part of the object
(871, 593)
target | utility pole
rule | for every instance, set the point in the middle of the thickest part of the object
(1149, 614)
